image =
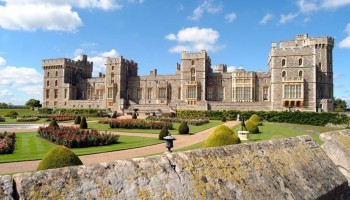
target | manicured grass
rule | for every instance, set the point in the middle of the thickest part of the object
(198, 145)
(29, 146)
(13, 121)
(319, 129)
(193, 129)
(3, 112)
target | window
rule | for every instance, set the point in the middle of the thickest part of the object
(300, 73)
(56, 93)
(47, 83)
(110, 93)
(221, 93)
(300, 61)
(192, 92)
(192, 62)
(292, 91)
(47, 103)
(139, 93)
(243, 93)
(284, 74)
(56, 73)
(112, 67)
(247, 93)
(56, 83)
(239, 92)
(193, 74)
(112, 77)
(48, 74)
(179, 93)
(55, 103)
(162, 93)
(266, 93)
(47, 93)
(65, 93)
(210, 93)
(320, 66)
(149, 93)
(283, 62)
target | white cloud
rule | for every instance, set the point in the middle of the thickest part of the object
(206, 6)
(19, 76)
(345, 43)
(136, 1)
(33, 90)
(287, 18)
(307, 6)
(54, 15)
(331, 4)
(78, 52)
(231, 68)
(99, 59)
(266, 18)
(2, 62)
(5, 94)
(231, 17)
(195, 39)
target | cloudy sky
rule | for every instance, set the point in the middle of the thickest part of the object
(153, 33)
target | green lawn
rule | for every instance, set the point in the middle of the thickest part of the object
(31, 147)
(193, 129)
(13, 121)
(3, 112)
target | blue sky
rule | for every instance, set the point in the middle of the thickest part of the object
(154, 32)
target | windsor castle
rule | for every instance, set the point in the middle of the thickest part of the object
(299, 77)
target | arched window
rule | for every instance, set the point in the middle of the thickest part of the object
(47, 83)
(320, 66)
(48, 74)
(56, 73)
(193, 74)
(112, 67)
(192, 62)
(283, 62)
(112, 77)
(300, 73)
(56, 83)
(284, 74)
(300, 61)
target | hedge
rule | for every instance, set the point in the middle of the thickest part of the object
(138, 124)
(309, 118)
(195, 122)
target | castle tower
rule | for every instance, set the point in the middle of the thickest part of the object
(63, 78)
(195, 68)
(294, 68)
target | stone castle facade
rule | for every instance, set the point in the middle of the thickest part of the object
(299, 77)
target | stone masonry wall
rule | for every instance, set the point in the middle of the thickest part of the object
(293, 168)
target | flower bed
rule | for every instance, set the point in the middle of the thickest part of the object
(7, 142)
(60, 118)
(27, 119)
(73, 137)
(195, 122)
(138, 124)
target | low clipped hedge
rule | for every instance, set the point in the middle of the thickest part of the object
(309, 118)
(138, 124)
(195, 122)
(7, 142)
(251, 126)
(73, 137)
(221, 136)
(12, 114)
(27, 119)
(60, 118)
(72, 111)
(57, 157)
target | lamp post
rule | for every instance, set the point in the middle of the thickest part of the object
(169, 142)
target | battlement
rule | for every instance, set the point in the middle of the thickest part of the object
(303, 40)
(194, 55)
(67, 61)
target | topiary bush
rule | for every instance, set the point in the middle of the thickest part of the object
(77, 120)
(164, 132)
(53, 123)
(221, 136)
(223, 119)
(57, 157)
(183, 128)
(134, 116)
(114, 115)
(83, 123)
(11, 113)
(256, 119)
(252, 127)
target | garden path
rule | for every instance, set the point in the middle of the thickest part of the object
(180, 142)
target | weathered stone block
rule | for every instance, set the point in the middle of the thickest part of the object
(6, 187)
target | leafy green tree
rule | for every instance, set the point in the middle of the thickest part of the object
(340, 105)
(31, 103)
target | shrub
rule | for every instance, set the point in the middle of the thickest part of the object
(184, 129)
(195, 122)
(73, 137)
(77, 120)
(57, 157)
(114, 115)
(54, 124)
(223, 119)
(256, 119)
(134, 116)
(7, 142)
(164, 132)
(137, 124)
(60, 118)
(27, 119)
(12, 114)
(83, 123)
(45, 111)
(2, 119)
(251, 127)
(221, 136)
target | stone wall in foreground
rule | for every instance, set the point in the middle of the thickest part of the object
(293, 168)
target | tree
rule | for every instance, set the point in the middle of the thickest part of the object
(340, 105)
(31, 103)
(83, 123)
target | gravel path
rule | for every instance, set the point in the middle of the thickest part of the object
(180, 142)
